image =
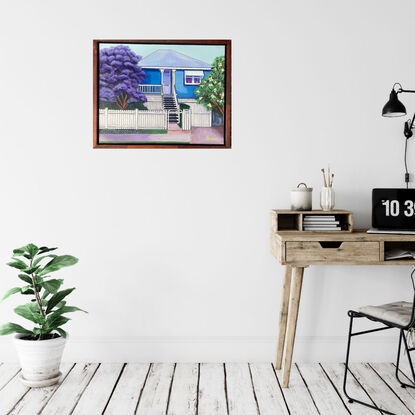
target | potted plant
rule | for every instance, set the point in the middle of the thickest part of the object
(40, 349)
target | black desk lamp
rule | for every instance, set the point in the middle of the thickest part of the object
(395, 108)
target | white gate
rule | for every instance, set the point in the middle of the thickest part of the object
(186, 120)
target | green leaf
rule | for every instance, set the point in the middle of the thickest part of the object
(32, 249)
(56, 298)
(11, 292)
(10, 328)
(71, 309)
(38, 330)
(44, 249)
(62, 332)
(38, 280)
(44, 295)
(53, 323)
(17, 263)
(30, 311)
(31, 270)
(52, 286)
(25, 278)
(27, 290)
(37, 260)
(18, 252)
(57, 263)
(65, 309)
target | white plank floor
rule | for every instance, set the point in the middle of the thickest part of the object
(206, 389)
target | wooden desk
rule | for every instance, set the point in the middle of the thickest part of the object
(297, 250)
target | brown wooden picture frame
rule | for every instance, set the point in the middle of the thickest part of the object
(227, 87)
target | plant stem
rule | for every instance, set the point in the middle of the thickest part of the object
(38, 301)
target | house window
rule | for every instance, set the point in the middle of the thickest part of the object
(193, 77)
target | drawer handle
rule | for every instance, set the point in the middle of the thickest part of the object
(330, 244)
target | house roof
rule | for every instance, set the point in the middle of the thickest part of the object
(171, 59)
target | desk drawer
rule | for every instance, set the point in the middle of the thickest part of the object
(332, 252)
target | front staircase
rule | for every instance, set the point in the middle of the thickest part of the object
(169, 104)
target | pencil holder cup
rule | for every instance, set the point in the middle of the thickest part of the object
(301, 197)
(327, 198)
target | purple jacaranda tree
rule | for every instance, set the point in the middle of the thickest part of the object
(120, 76)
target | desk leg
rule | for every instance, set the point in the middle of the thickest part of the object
(282, 326)
(293, 305)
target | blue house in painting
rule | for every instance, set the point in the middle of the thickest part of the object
(171, 79)
(176, 73)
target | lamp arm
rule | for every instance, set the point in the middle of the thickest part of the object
(405, 90)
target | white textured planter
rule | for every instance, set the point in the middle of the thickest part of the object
(40, 360)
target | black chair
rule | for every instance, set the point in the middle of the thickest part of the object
(400, 315)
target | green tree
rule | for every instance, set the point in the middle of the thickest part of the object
(211, 91)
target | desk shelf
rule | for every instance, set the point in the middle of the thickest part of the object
(292, 220)
(404, 245)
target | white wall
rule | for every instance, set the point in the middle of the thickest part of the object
(174, 244)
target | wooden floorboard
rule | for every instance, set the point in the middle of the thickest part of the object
(37, 398)
(335, 371)
(99, 390)
(156, 392)
(212, 398)
(69, 392)
(377, 389)
(7, 372)
(324, 395)
(240, 391)
(386, 371)
(297, 396)
(183, 395)
(267, 389)
(127, 393)
(206, 389)
(11, 394)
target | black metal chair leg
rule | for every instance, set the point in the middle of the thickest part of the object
(346, 367)
(408, 353)
(346, 370)
(403, 384)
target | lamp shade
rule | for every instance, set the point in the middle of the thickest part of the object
(394, 107)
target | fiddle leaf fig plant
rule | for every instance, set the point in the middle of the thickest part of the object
(46, 306)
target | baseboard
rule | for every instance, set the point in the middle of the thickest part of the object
(215, 349)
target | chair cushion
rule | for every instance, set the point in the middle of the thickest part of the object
(398, 313)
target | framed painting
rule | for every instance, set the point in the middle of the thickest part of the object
(162, 93)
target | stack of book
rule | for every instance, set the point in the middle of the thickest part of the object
(321, 223)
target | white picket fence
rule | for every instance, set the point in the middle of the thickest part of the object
(201, 119)
(133, 119)
(150, 119)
